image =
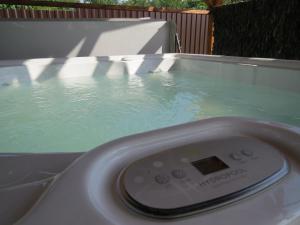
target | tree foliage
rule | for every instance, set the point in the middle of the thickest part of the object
(227, 2)
(175, 4)
(9, 6)
(103, 2)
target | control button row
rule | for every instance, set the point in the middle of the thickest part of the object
(164, 178)
(238, 156)
(158, 164)
(247, 152)
(178, 174)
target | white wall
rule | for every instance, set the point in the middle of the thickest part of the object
(42, 39)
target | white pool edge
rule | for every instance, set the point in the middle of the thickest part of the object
(268, 62)
(277, 73)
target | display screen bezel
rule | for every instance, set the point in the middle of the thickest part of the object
(209, 165)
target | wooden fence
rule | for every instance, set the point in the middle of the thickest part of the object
(194, 27)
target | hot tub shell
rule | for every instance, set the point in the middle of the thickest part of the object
(33, 179)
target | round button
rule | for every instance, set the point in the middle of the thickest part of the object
(158, 164)
(138, 179)
(178, 174)
(162, 179)
(235, 156)
(247, 152)
(184, 160)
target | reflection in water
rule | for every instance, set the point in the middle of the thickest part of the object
(77, 114)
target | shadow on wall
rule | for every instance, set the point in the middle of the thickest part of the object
(114, 67)
(44, 39)
(61, 39)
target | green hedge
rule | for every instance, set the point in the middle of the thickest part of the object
(258, 28)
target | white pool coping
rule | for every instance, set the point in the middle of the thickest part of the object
(268, 62)
(276, 73)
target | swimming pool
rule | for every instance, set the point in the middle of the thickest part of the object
(73, 105)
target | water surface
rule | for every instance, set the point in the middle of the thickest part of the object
(67, 115)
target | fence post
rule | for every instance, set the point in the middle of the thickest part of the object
(210, 36)
(211, 4)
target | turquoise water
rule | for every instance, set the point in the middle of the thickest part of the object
(79, 114)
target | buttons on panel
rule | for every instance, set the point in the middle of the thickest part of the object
(246, 152)
(184, 160)
(242, 155)
(178, 173)
(175, 173)
(217, 171)
(235, 156)
(162, 179)
(158, 164)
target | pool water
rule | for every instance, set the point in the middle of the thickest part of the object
(78, 114)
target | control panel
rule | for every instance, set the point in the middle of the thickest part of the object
(200, 176)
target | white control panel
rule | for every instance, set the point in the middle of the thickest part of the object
(200, 176)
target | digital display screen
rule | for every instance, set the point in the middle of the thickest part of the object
(209, 165)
